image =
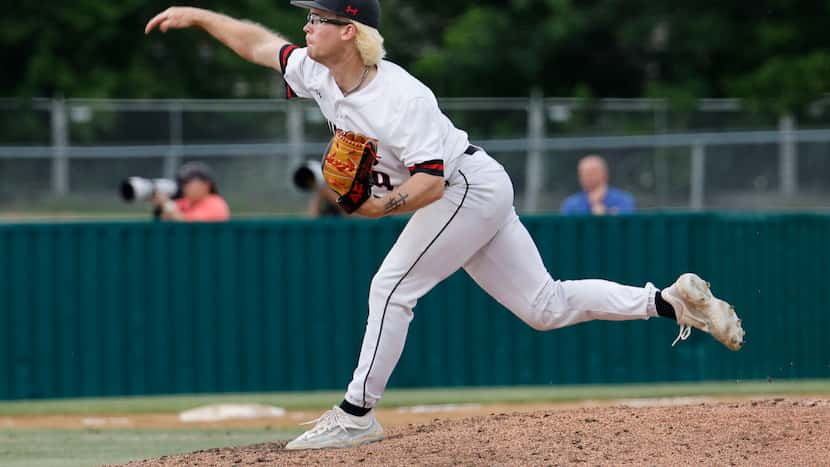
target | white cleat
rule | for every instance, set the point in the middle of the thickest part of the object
(695, 305)
(337, 429)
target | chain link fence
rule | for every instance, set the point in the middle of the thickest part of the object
(71, 155)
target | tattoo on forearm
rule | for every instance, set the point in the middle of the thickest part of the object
(395, 202)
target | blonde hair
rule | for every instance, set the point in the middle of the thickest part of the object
(369, 44)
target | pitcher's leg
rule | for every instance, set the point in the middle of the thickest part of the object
(573, 302)
(436, 242)
(511, 270)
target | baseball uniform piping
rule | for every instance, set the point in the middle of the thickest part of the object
(388, 298)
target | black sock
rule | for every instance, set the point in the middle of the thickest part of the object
(352, 409)
(664, 308)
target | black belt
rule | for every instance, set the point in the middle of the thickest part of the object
(472, 150)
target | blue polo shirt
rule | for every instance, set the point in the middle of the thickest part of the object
(616, 202)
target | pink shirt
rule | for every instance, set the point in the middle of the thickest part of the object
(209, 209)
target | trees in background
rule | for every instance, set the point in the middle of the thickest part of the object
(89, 48)
(773, 52)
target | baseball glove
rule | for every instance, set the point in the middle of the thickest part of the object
(347, 168)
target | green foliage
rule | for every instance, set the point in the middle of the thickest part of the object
(773, 52)
(786, 84)
(88, 48)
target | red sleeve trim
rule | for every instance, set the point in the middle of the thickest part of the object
(433, 167)
(285, 52)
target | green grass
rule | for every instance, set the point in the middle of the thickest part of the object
(64, 448)
(403, 397)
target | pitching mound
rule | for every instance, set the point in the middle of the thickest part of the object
(761, 432)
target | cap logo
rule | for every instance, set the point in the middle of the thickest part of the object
(350, 10)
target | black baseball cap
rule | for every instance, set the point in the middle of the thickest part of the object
(362, 11)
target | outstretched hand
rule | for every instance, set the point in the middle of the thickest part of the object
(596, 198)
(173, 18)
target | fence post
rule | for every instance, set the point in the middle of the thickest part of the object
(697, 179)
(295, 125)
(788, 155)
(174, 151)
(60, 141)
(661, 163)
(535, 171)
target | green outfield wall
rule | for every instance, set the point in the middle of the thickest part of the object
(98, 309)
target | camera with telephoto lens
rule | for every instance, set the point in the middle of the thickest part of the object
(142, 189)
(309, 176)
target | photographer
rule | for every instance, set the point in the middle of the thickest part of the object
(200, 201)
(308, 178)
(323, 203)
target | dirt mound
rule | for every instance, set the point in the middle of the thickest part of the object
(757, 432)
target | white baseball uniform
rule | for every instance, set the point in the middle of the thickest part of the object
(473, 226)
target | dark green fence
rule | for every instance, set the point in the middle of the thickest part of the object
(149, 308)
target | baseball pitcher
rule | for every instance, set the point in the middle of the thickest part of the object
(393, 151)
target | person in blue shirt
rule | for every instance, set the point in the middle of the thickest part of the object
(596, 197)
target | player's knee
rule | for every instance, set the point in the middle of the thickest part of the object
(380, 287)
(541, 319)
(381, 292)
(545, 311)
(387, 296)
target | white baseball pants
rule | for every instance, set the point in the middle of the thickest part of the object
(475, 226)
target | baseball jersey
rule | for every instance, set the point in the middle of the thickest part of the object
(396, 109)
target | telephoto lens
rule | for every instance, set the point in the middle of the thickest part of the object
(142, 189)
(309, 176)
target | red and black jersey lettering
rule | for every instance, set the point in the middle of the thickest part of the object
(433, 167)
(285, 52)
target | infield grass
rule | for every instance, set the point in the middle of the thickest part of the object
(65, 448)
(404, 397)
